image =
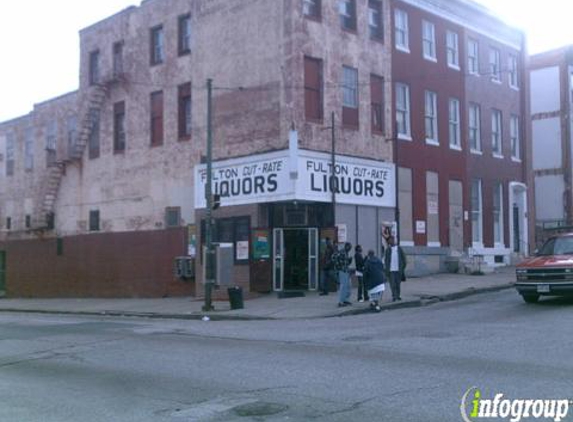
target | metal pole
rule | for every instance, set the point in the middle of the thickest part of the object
(396, 186)
(333, 184)
(208, 306)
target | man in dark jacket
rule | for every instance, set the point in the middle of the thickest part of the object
(374, 279)
(359, 262)
(327, 266)
(394, 265)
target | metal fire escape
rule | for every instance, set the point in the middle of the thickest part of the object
(56, 170)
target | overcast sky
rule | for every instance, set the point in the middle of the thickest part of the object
(39, 41)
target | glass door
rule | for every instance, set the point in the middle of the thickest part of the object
(278, 259)
(313, 253)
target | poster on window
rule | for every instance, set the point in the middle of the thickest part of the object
(242, 250)
(192, 240)
(261, 245)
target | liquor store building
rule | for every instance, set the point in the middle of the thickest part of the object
(277, 211)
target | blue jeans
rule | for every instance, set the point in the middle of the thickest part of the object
(326, 280)
(344, 287)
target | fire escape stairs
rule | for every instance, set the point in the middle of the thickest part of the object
(57, 170)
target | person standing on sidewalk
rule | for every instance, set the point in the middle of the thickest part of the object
(394, 265)
(327, 273)
(342, 260)
(374, 280)
(359, 263)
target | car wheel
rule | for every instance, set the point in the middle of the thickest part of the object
(530, 298)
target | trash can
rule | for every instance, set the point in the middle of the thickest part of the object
(235, 297)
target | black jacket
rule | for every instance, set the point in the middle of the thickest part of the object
(373, 272)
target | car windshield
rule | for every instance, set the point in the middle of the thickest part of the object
(558, 246)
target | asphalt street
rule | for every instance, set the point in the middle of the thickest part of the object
(401, 365)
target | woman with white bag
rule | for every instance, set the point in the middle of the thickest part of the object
(374, 280)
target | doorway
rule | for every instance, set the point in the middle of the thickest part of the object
(295, 260)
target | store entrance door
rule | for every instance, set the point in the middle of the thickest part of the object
(295, 259)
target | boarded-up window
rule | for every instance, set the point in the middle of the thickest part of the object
(184, 110)
(432, 208)
(377, 102)
(157, 118)
(313, 88)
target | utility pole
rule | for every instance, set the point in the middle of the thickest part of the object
(210, 255)
(333, 183)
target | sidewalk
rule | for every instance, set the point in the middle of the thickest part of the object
(415, 292)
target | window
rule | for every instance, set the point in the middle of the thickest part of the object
(375, 19)
(28, 220)
(311, 8)
(8, 223)
(184, 27)
(498, 213)
(157, 118)
(172, 217)
(119, 127)
(377, 103)
(157, 52)
(429, 40)
(94, 67)
(473, 57)
(10, 150)
(29, 149)
(94, 220)
(454, 123)
(184, 110)
(513, 71)
(347, 11)
(453, 50)
(515, 138)
(349, 96)
(477, 235)
(474, 126)
(313, 89)
(72, 135)
(495, 64)
(233, 230)
(118, 58)
(431, 116)
(403, 110)
(51, 140)
(93, 140)
(496, 133)
(401, 32)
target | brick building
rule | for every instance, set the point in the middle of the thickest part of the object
(551, 78)
(460, 101)
(102, 188)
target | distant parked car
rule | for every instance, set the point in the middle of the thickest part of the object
(549, 272)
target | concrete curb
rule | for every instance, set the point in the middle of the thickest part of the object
(424, 300)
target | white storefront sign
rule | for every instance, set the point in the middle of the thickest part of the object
(268, 178)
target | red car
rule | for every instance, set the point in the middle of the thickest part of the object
(550, 272)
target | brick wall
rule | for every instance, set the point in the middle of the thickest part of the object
(134, 264)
